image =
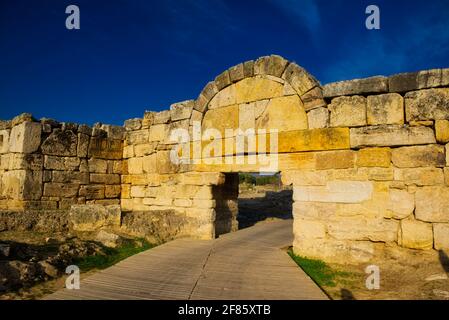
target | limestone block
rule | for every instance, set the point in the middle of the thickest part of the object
(376, 84)
(158, 132)
(225, 97)
(299, 79)
(221, 119)
(385, 109)
(222, 80)
(204, 193)
(113, 132)
(340, 159)
(161, 117)
(17, 161)
(135, 165)
(335, 191)
(181, 110)
(97, 165)
(12, 183)
(105, 148)
(374, 157)
(334, 251)
(187, 203)
(63, 190)
(186, 191)
(416, 234)
(141, 150)
(137, 137)
(75, 177)
(446, 176)
(92, 191)
(4, 141)
(419, 156)
(23, 117)
(401, 204)
(196, 117)
(309, 229)
(248, 68)
(104, 178)
(61, 163)
(270, 65)
(390, 135)
(61, 143)
(378, 230)
(442, 131)
(420, 176)
(313, 140)
(313, 99)
(257, 88)
(133, 124)
(430, 104)
(164, 163)
(318, 118)
(26, 137)
(203, 178)
(348, 111)
(236, 73)
(247, 117)
(441, 235)
(148, 119)
(274, 116)
(112, 191)
(304, 178)
(94, 217)
(447, 154)
(83, 145)
(201, 203)
(432, 204)
(138, 191)
(149, 163)
(403, 82)
(425, 123)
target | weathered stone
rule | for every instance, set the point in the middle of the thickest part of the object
(401, 204)
(348, 111)
(149, 164)
(164, 164)
(419, 156)
(299, 79)
(432, 204)
(141, 150)
(257, 88)
(376, 84)
(403, 82)
(108, 239)
(441, 235)
(83, 145)
(162, 117)
(105, 148)
(26, 137)
(17, 161)
(4, 141)
(61, 143)
(236, 73)
(75, 177)
(94, 217)
(248, 68)
(272, 65)
(313, 99)
(385, 109)
(65, 190)
(61, 163)
(318, 118)
(442, 131)
(304, 178)
(181, 110)
(21, 118)
(114, 132)
(390, 135)
(105, 178)
(313, 140)
(420, 176)
(158, 132)
(374, 157)
(427, 123)
(378, 230)
(309, 229)
(225, 97)
(274, 115)
(335, 191)
(148, 119)
(92, 191)
(433, 78)
(341, 159)
(430, 104)
(446, 175)
(222, 80)
(98, 165)
(416, 235)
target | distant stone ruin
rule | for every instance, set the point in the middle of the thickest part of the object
(368, 160)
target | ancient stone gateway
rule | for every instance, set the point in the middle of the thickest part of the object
(366, 159)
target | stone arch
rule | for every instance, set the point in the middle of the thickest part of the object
(270, 92)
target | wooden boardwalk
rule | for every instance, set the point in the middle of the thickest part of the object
(248, 264)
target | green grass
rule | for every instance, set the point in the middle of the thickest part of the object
(318, 270)
(112, 255)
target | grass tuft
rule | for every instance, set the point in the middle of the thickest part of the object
(113, 255)
(318, 270)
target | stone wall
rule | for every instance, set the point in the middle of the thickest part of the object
(367, 159)
(48, 166)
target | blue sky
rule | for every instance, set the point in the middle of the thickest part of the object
(136, 55)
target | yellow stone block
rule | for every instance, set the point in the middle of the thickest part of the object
(442, 131)
(374, 157)
(257, 88)
(341, 159)
(314, 140)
